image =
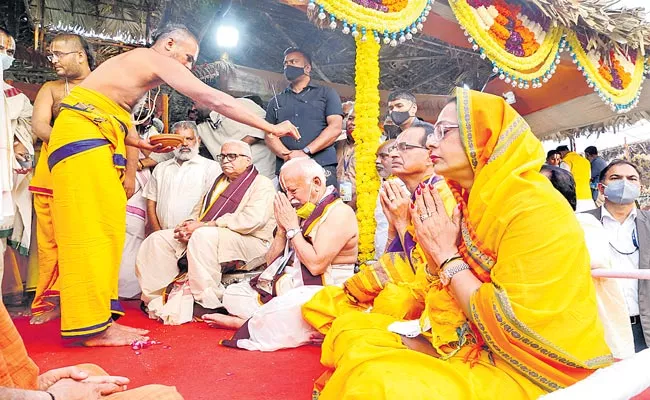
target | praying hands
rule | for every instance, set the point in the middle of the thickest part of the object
(285, 214)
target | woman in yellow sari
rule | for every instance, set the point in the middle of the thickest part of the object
(511, 309)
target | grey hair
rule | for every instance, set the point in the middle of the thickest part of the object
(245, 147)
(170, 30)
(186, 125)
(309, 168)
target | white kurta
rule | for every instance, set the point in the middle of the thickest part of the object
(215, 132)
(178, 188)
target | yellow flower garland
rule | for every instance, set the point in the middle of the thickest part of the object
(366, 138)
(547, 49)
(371, 19)
(621, 99)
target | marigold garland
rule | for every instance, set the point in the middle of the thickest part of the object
(523, 52)
(618, 89)
(403, 19)
(366, 138)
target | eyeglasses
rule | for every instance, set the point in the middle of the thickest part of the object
(440, 130)
(403, 146)
(230, 157)
(58, 55)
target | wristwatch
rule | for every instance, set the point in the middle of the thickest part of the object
(447, 273)
(291, 233)
(306, 150)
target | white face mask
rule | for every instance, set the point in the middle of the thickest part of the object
(7, 60)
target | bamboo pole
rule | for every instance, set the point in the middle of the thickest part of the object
(165, 112)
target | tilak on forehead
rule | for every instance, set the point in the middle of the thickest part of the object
(7, 50)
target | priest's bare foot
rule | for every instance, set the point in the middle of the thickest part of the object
(130, 330)
(223, 321)
(114, 336)
(46, 316)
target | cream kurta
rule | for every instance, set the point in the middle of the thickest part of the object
(178, 188)
(243, 235)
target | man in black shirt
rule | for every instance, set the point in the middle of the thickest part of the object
(402, 108)
(315, 110)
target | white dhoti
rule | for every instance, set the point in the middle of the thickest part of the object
(207, 249)
(278, 324)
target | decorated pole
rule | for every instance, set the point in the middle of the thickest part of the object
(366, 139)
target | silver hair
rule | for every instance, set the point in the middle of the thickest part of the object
(309, 169)
(186, 125)
(245, 147)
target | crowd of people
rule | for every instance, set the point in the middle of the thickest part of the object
(481, 284)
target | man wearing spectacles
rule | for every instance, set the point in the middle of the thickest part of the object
(217, 129)
(178, 184)
(72, 60)
(15, 167)
(230, 229)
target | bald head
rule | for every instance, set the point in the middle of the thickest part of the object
(177, 42)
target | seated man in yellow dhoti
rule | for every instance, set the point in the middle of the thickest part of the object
(511, 310)
(315, 245)
(234, 226)
(87, 160)
(382, 287)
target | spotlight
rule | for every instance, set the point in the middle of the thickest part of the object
(227, 36)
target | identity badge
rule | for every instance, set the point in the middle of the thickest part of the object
(345, 189)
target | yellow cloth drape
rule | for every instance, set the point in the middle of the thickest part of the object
(581, 170)
(535, 322)
(48, 255)
(395, 285)
(89, 210)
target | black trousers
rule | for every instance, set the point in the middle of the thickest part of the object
(637, 332)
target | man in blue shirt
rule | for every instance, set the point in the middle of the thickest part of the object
(316, 111)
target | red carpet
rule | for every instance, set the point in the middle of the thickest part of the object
(196, 364)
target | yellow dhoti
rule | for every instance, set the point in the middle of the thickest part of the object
(89, 209)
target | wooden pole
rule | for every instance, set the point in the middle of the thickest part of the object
(165, 112)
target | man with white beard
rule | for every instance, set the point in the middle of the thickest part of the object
(179, 184)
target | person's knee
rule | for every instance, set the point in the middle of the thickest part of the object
(203, 236)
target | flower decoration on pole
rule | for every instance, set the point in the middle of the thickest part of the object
(388, 21)
(616, 75)
(366, 137)
(523, 45)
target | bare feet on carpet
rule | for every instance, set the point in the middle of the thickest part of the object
(129, 329)
(115, 335)
(223, 321)
(46, 316)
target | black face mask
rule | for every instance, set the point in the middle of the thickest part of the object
(292, 73)
(399, 117)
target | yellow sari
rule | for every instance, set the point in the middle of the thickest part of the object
(86, 158)
(395, 285)
(534, 325)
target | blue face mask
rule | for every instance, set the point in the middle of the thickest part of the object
(622, 192)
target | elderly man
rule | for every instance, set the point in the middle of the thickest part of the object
(315, 109)
(347, 163)
(16, 162)
(72, 60)
(217, 129)
(315, 245)
(234, 227)
(628, 230)
(179, 184)
(383, 163)
(402, 108)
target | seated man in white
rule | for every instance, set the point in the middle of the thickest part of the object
(178, 185)
(316, 244)
(233, 227)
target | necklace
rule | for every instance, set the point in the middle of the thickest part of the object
(66, 88)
